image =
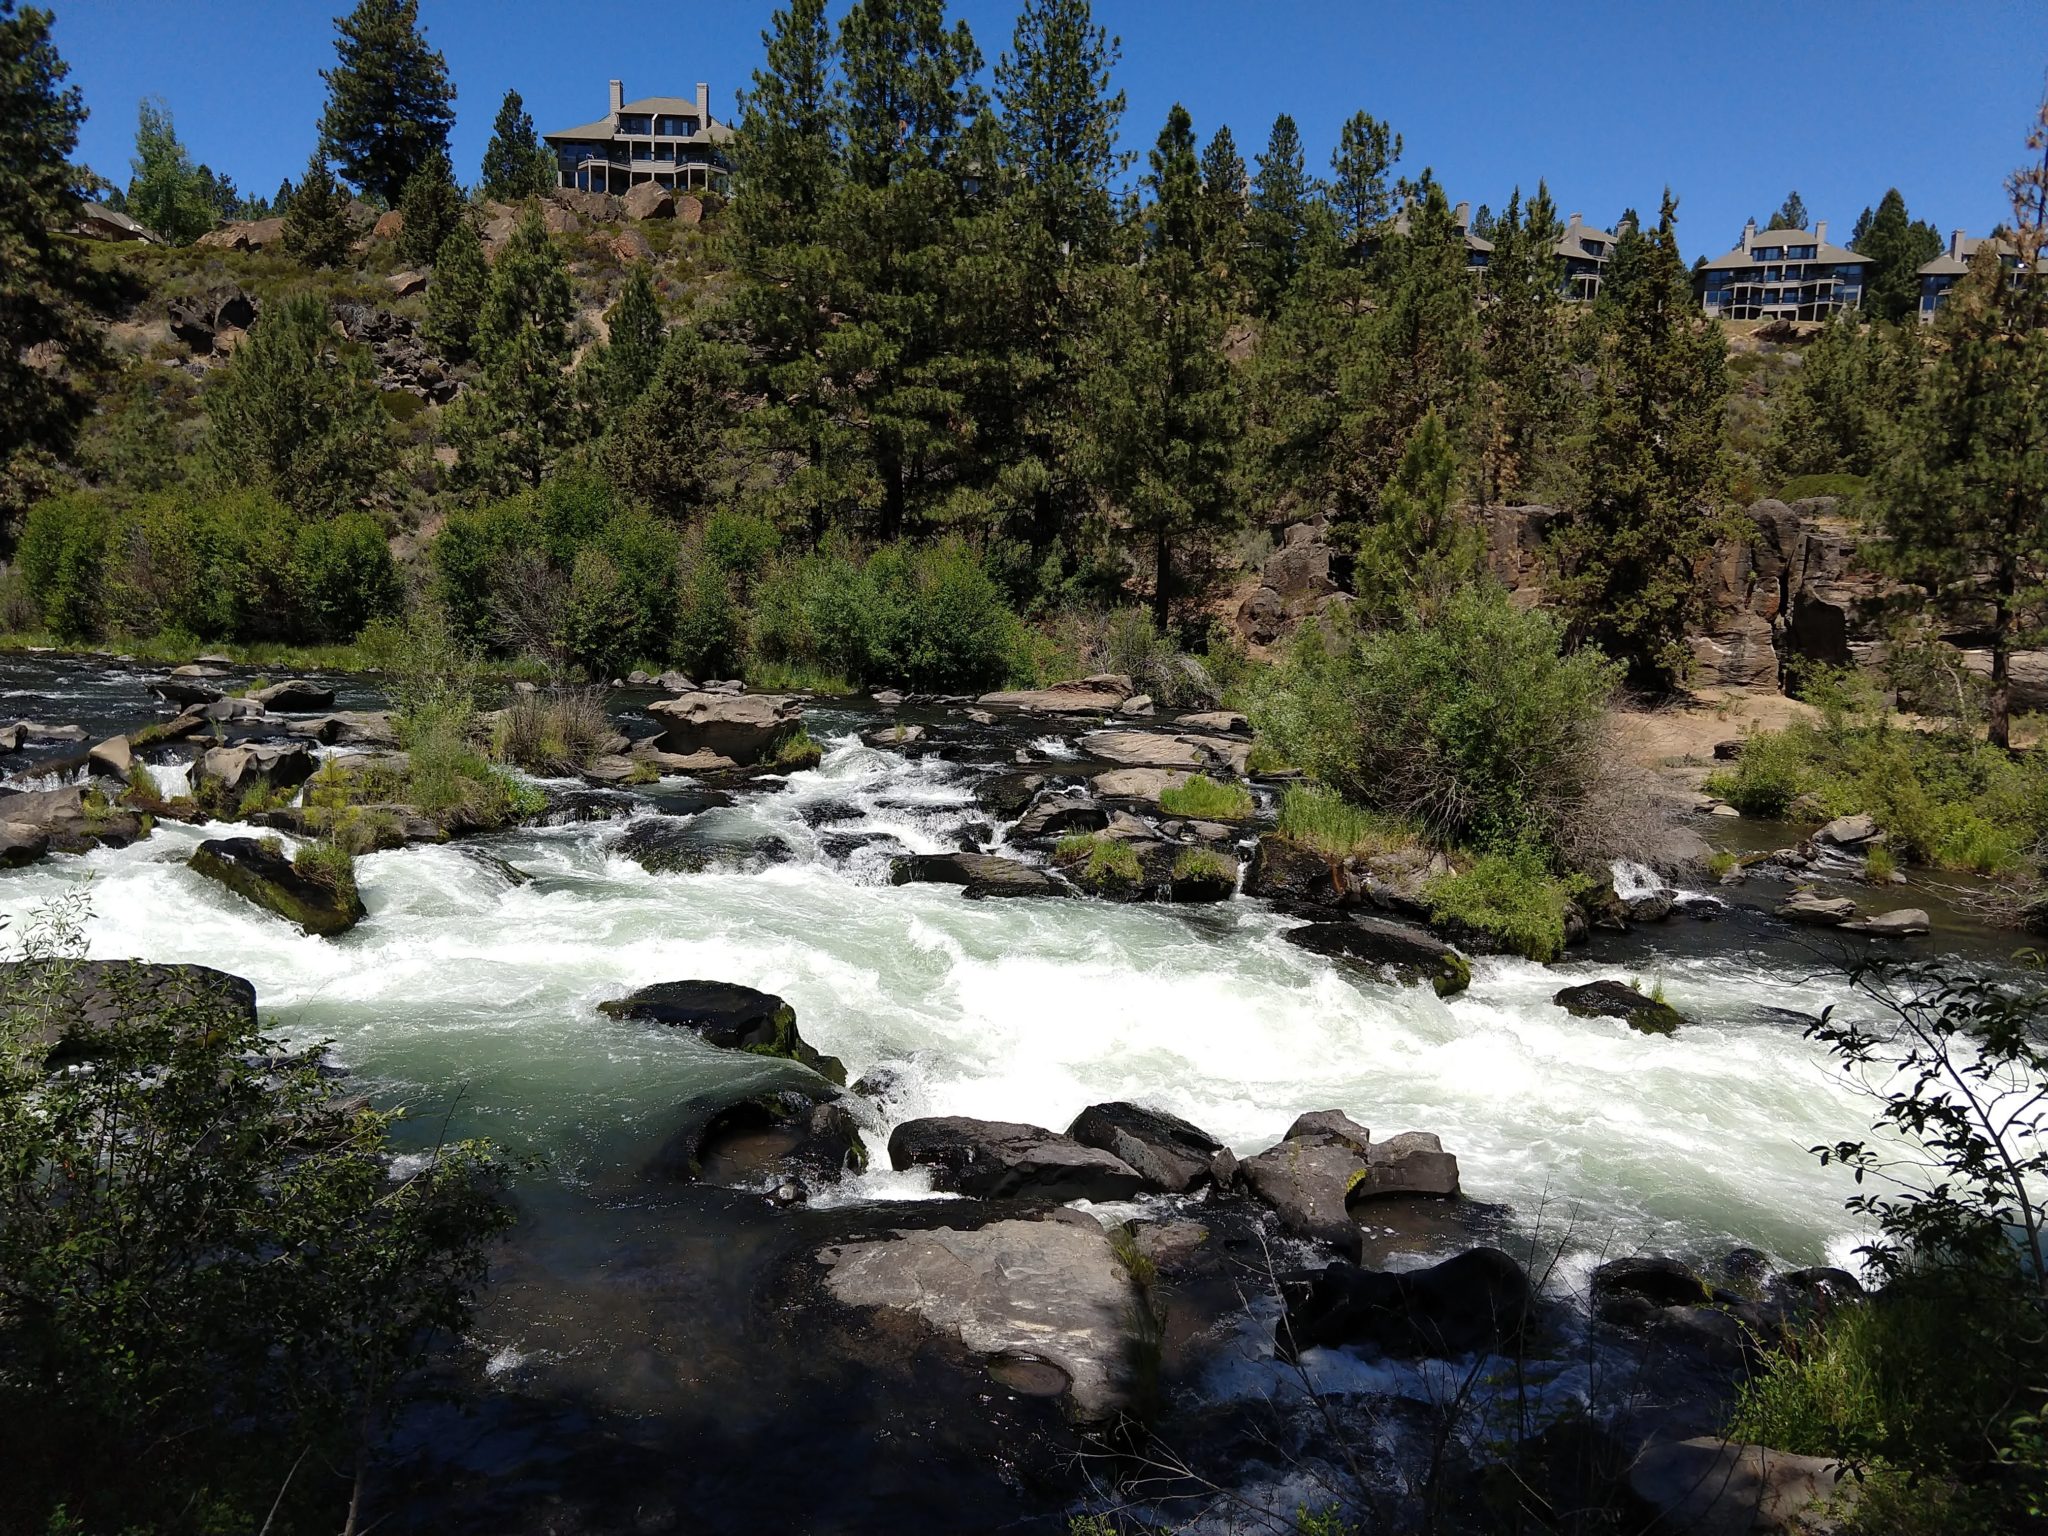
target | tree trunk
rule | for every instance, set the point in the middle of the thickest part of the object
(2001, 669)
(1162, 573)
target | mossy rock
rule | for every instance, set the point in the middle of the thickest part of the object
(1410, 954)
(262, 874)
(1617, 1000)
(725, 1014)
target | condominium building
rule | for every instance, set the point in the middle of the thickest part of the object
(1585, 251)
(673, 141)
(1783, 274)
(1938, 276)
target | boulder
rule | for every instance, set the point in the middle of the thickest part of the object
(114, 756)
(1144, 749)
(1306, 1180)
(1099, 695)
(983, 874)
(1849, 832)
(1206, 880)
(1618, 1000)
(1330, 1124)
(232, 709)
(1008, 794)
(71, 1003)
(1817, 911)
(12, 736)
(1623, 1289)
(262, 874)
(67, 820)
(1287, 872)
(1136, 704)
(184, 691)
(1475, 1302)
(21, 844)
(804, 1118)
(199, 319)
(1412, 1163)
(727, 1015)
(895, 736)
(1219, 722)
(649, 200)
(233, 771)
(1165, 1150)
(599, 207)
(36, 730)
(1047, 1292)
(295, 696)
(1410, 954)
(1905, 923)
(1057, 815)
(244, 235)
(1714, 1487)
(1003, 1160)
(1146, 784)
(405, 284)
(746, 728)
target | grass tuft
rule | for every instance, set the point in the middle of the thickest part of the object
(1202, 798)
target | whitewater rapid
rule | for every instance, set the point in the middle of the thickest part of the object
(471, 995)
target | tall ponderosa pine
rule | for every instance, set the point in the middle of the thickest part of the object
(1526, 345)
(1281, 194)
(48, 285)
(1160, 416)
(388, 98)
(627, 363)
(1226, 202)
(1367, 149)
(1423, 546)
(516, 164)
(1897, 247)
(164, 190)
(1965, 499)
(1060, 117)
(1628, 551)
(1833, 415)
(517, 418)
(1791, 213)
(295, 412)
(431, 206)
(316, 227)
(456, 295)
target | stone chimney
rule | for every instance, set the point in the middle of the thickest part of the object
(1820, 231)
(703, 105)
(1573, 222)
(618, 101)
(1462, 215)
(1749, 234)
(1955, 243)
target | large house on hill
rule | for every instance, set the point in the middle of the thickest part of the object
(1782, 274)
(1582, 249)
(673, 141)
(1938, 276)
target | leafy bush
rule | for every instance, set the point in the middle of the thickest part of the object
(1472, 724)
(1202, 798)
(798, 750)
(1768, 776)
(1512, 898)
(345, 576)
(62, 555)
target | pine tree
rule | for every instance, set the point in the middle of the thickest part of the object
(1281, 194)
(1225, 200)
(1628, 551)
(1791, 213)
(627, 363)
(1964, 500)
(516, 419)
(456, 295)
(1060, 118)
(1526, 344)
(316, 226)
(516, 164)
(296, 413)
(1367, 149)
(1897, 247)
(1831, 416)
(1423, 546)
(281, 200)
(387, 98)
(1160, 415)
(431, 206)
(164, 191)
(667, 451)
(48, 285)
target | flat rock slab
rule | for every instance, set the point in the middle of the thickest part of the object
(1144, 749)
(1905, 923)
(1818, 911)
(1100, 695)
(1011, 1291)
(1710, 1487)
(1140, 783)
(983, 874)
(1004, 1160)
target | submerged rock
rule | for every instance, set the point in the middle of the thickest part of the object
(806, 1126)
(1476, 1301)
(1618, 1000)
(666, 845)
(254, 869)
(1014, 1292)
(983, 874)
(1411, 954)
(1003, 1160)
(1164, 1149)
(728, 1015)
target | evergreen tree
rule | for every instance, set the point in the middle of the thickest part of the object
(1791, 213)
(1160, 417)
(1526, 345)
(1832, 415)
(281, 200)
(1482, 223)
(1897, 247)
(628, 361)
(1423, 546)
(1964, 500)
(316, 226)
(431, 206)
(1626, 262)
(517, 164)
(1367, 149)
(1226, 200)
(1281, 194)
(667, 451)
(1628, 551)
(295, 412)
(387, 98)
(455, 297)
(1060, 118)
(516, 419)
(48, 285)
(164, 191)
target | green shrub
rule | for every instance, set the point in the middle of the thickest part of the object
(345, 576)
(1511, 898)
(63, 558)
(1324, 820)
(1879, 865)
(330, 864)
(1106, 865)
(1202, 798)
(1766, 778)
(1205, 864)
(798, 750)
(710, 637)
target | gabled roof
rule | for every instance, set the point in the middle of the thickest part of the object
(1955, 262)
(1738, 257)
(650, 106)
(1573, 242)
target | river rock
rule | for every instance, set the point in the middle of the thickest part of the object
(728, 1015)
(233, 771)
(1618, 1000)
(1331, 1124)
(1146, 784)
(1098, 695)
(1817, 911)
(1623, 1288)
(1849, 832)
(185, 691)
(295, 697)
(1209, 881)
(37, 730)
(12, 736)
(1040, 1291)
(983, 874)
(745, 728)
(1905, 923)
(1285, 871)
(1714, 1487)
(1307, 1181)
(811, 1130)
(1008, 794)
(69, 1004)
(1410, 954)
(1166, 1150)
(1003, 1160)
(668, 845)
(1411, 1163)
(70, 819)
(1056, 815)
(262, 874)
(1220, 722)
(893, 737)
(21, 844)
(1476, 1301)
(1144, 749)
(114, 756)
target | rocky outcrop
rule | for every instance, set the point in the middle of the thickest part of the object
(1146, 784)
(1408, 954)
(983, 874)
(1712, 1487)
(1003, 1160)
(1618, 1000)
(231, 772)
(744, 729)
(1102, 694)
(72, 819)
(727, 1015)
(1327, 1163)
(1294, 583)
(1043, 1292)
(68, 1006)
(1057, 815)
(1475, 1302)
(259, 871)
(1146, 749)
(1164, 1149)
(649, 200)
(200, 320)
(244, 235)
(402, 359)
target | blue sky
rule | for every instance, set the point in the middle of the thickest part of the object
(1730, 103)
